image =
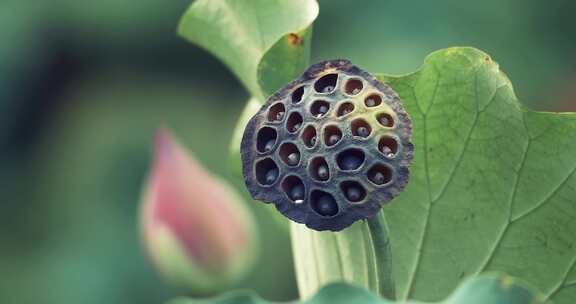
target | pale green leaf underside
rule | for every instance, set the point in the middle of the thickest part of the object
(493, 185)
(240, 33)
(488, 289)
(359, 255)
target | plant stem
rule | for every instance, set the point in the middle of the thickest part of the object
(383, 255)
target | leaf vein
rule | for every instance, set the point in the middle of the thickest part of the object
(451, 175)
(514, 192)
(569, 284)
(562, 283)
(545, 199)
(464, 147)
(428, 209)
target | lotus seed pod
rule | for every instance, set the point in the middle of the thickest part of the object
(329, 148)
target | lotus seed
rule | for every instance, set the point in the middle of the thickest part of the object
(297, 193)
(313, 141)
(322, 172)
(378, 178)
(279, 115)
(362, 131)
(351, 162)
(327, 206)
(271, 176)
(296, 127)
(387, 151)
(328, 89)
(353, 193)
(355, 91)
(293, 158)
(384, 121)
(370, 102)
(333, 139)
(269, 145)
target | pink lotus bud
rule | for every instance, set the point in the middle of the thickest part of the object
(195, 228)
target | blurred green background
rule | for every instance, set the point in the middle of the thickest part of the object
(85, 84)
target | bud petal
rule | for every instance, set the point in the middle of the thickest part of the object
(195, 228)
